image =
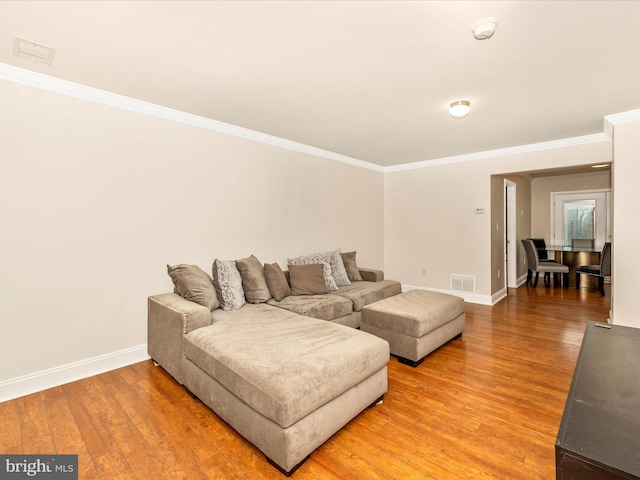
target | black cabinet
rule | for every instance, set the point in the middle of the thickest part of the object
(599, 436)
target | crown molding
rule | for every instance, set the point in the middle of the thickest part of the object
(64, 87)
(535, 147)
(57, 85)
(619, 118)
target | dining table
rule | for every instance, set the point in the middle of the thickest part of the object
(576, 257)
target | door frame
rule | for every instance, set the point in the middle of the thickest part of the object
(510, 235)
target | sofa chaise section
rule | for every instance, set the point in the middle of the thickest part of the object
(284, 381)
(300, 365)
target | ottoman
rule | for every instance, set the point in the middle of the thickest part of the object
(415, 323)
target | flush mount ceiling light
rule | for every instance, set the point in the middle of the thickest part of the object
(460, 109)
(484, 28)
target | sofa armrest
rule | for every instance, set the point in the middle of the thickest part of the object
(371, 275)
(169, 318)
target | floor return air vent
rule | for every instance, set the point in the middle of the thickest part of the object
(463, 283)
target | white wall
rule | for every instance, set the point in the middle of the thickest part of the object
(96, 200)
(626, 225)
(430, 222)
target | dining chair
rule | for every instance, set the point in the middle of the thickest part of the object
(582, 242)
(602, 270)
(543, 255)
(535, 265)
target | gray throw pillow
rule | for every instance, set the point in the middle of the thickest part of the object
(193, 283)
(254, 283)
(228, 284)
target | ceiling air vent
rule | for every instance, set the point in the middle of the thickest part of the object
(463, 283)
(32, 50)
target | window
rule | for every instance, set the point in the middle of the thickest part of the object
(581, 214)
(579, 220)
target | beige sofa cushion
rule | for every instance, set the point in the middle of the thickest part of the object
(414, 313)
(322, 307)
(364, 293)
(281, 364)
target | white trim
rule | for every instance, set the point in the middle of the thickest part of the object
(522, 279)
(467, 297)
(602, 226)
(53, 377)
(53, 84)
(535, 147)
(498, 296)
(510, 219)
(624, 117)
(64, 87)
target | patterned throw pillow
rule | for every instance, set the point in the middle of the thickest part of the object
(323, 258)
(338, 269)
(228, 284)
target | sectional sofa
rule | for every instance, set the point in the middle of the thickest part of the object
(275, 358)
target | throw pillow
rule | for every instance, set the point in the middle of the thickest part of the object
(228, 284)
(276, 280)
(254, 284)
(351, 267)
(307, 279)
(338, 269)
(193, 283)
(317, 258)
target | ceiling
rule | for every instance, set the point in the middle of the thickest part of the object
(370, 80)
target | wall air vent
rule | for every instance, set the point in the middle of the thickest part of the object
(34, 51)
(463, 283)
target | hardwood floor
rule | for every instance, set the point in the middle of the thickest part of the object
(484, 406)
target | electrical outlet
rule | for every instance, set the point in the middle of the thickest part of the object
(498, 273)
(424, 272)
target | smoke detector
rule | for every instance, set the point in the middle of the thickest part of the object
(34, 51)
(484, 28)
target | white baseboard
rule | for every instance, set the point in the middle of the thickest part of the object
(499, 295)
(53, 377)
(522, 280)
(467, 297)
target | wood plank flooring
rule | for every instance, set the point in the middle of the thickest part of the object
(484, 406)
